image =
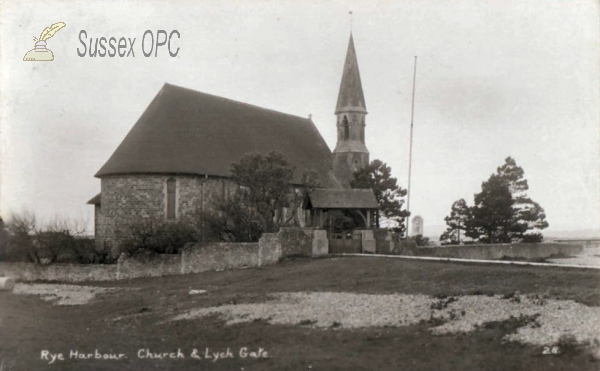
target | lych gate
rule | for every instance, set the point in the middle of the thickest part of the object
(344, 213)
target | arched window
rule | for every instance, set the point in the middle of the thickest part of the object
(362, 134)
(171, 198)
(346, 128)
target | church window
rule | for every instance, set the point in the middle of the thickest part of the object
(171, 198)
(362, 134)
(346, 128)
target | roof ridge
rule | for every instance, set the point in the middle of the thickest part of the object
(235, 101)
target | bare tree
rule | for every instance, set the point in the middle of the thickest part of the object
(23, 223)
(21, 229)
(75, 227)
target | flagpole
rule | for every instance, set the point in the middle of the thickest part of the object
(412, 117)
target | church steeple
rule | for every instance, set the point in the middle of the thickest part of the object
(351, 97)
(350, 153)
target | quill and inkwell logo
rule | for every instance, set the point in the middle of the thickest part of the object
(40, 52)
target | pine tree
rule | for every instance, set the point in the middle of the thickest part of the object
(528, 215)
(503, 212)
(457, 221)
(378, 176)
(492, 215)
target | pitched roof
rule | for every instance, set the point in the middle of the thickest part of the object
(95, 200)
(343, 199)
(188, 132)
(351, 96)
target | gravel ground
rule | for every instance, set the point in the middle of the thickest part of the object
(61, 294)
(459, 314)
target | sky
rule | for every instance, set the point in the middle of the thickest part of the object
(495, 78)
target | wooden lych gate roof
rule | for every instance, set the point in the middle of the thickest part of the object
(341, 199)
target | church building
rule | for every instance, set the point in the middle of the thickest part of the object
(176, 160)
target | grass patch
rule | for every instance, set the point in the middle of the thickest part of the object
(292, 346)
(432, 321)
(509, 326)
(547, 259)
(442, 304)
(306, 322)
(481, 292)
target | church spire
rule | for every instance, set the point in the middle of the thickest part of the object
(350, 153)
(351, 97)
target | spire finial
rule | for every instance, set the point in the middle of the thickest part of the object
(351, 20)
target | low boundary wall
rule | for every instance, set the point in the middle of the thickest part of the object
(28, 272)
(527, 251)
(391, 244)
(194, 258)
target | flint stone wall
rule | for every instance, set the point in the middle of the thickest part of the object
(218, 256)
(194, 258)
(390, 243)
(27, 272)
(128, 199)
(527, 251)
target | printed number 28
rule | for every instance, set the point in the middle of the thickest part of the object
(551, 350)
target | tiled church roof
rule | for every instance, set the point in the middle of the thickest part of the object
(188, 132)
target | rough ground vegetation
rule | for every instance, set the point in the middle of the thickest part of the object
(439, 292)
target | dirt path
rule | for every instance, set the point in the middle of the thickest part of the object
(61, 294)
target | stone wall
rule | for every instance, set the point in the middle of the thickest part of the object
(295, 241)
(320, 243)
(194, 258)
(387, 242)
(219, 256)
(383, 241)
(128, 199)
(391, 244)
(149, 266)
(269, 249)
(58, 272)
(368, 243)
(527, 251)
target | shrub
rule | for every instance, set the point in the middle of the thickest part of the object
(509, 295)
(420, 240)
(532, 238)
(156, 236)
(18, 245)
(569, 346)
(63, 247)
(481, 292)
(441, 303)
(59, 241)
(232, 221)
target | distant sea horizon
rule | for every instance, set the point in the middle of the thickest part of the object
(434, 232)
